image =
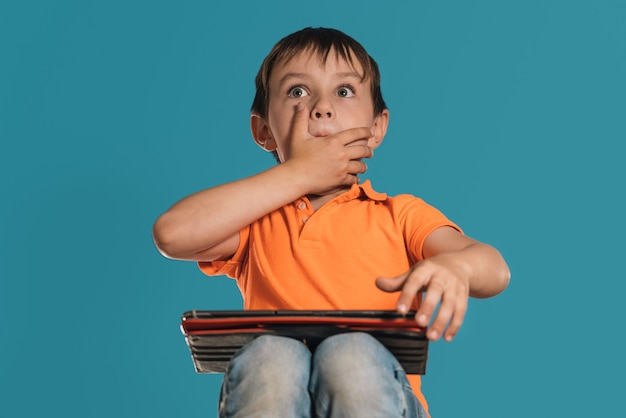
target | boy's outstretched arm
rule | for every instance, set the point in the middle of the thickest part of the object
(205, 226)
(455, 267)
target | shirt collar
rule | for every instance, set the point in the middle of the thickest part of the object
(364, 189)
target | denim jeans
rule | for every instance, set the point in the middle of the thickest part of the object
(348, 375)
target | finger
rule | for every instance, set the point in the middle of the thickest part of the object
(354, 134)
(446, 310)
(357, 167)
(357, 152)
(300, 121)
(416, 279)
(351, 176)
(429, 303)
(394, 284)
(349, 180)
(457, 319)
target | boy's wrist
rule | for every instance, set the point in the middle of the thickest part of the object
(297, 176)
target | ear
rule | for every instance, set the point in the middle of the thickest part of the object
(261, 133)
(380, 129)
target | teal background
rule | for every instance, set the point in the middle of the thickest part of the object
(509, 116)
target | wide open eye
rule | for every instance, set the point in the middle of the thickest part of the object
(297, 92)
(345, 91)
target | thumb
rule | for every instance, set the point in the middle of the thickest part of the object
(391, 284)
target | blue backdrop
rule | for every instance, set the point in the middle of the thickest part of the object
(508, 116)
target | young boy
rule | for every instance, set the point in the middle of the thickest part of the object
(306, 234)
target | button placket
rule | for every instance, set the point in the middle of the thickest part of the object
(302, 206)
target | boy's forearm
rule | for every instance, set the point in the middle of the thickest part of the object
(205, 219)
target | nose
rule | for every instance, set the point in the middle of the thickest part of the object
(323, 109)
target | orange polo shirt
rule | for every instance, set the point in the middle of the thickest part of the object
(300, 259)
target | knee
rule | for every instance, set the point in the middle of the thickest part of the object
(350, 357)
(346, 350)
(268, 373)
(270, 359)
(355, 372)
(280, 349)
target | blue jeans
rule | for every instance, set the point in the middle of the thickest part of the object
(348, 375)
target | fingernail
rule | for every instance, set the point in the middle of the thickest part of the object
(402, 309)
(422, 320)
(372, 131)
(432, 334)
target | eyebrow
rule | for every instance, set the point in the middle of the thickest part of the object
(348, 74)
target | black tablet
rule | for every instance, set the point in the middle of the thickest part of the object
(214, 336)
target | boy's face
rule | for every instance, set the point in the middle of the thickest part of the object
(335, 96)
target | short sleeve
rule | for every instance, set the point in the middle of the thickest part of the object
(231, 267)
(419, 220)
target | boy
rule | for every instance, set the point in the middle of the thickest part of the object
(306, 234)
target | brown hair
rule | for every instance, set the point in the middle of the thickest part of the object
(319, 41)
